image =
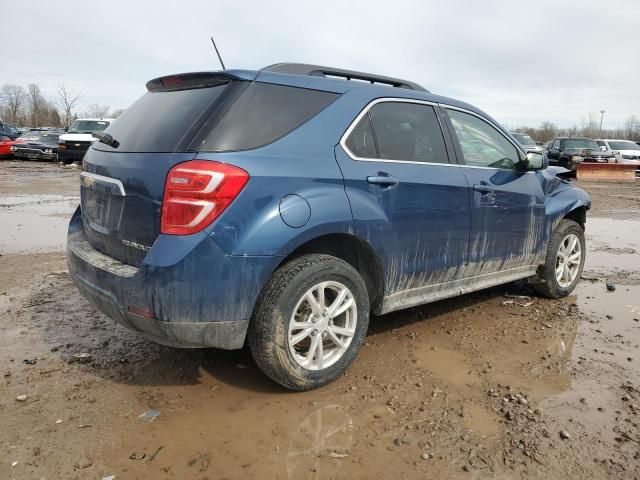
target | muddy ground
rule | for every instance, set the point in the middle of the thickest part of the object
(497, 384)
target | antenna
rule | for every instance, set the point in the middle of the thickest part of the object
(218, 53)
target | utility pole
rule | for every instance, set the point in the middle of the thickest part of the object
(601, 117)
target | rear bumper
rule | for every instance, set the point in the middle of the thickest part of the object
(197, 295)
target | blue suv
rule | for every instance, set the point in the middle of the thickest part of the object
(281, 207)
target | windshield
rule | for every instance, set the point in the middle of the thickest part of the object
(581, 143)
(88, 126)
(623, 145)
(524, 139)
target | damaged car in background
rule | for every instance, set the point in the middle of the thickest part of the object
(281, 207)
(38, 145)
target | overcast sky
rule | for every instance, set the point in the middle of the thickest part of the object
(522, 62)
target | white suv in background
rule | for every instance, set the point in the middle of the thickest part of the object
(625, 151)
(74, 144)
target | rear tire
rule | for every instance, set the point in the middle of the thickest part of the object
(564, 261)
(309, 322)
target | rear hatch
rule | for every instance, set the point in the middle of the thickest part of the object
(122, 183)
(121, 188)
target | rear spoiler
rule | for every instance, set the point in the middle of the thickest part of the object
(189, 81)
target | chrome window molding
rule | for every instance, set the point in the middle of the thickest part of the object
(365, 110)
(86, 178)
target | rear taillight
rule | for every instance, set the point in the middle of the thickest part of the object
(196, 193)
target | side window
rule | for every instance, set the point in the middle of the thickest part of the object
(409, 132)
(482, 145)
(361, 142)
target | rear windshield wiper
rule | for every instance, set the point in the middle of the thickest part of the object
(107, 139)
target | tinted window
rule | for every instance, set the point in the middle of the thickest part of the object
(262, 114)
(482, 145)
(580, 143)
(361, 142)
(162, 121)
(409, 132)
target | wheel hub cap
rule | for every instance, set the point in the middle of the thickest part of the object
(568, 260)
(322, 325)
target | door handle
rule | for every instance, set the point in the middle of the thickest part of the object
(382, 180)
(484, 189)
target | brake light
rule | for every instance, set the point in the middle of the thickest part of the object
(196, 193)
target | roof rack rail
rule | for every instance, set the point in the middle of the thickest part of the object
(319, 71)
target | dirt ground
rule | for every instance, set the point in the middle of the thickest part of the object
(498, 384)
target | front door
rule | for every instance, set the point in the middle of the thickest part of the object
(408, 201)
(507, 204)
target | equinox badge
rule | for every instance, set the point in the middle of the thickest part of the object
(138, 246)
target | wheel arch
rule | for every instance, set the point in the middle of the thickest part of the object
(578, 215)
(353, 250)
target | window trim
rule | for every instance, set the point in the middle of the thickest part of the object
(443, 129)
(365, 111)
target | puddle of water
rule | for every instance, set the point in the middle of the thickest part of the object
(31, 223)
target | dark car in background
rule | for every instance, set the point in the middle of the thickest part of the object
(568, 152)
(38, 145)
(9, 130)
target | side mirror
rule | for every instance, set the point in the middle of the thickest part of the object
(536, 161)
(66, 129)
(603, 148)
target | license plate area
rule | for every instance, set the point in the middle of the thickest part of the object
(102, 200)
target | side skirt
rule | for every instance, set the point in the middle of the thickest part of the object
(432, 293)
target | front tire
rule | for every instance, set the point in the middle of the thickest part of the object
(310, 322)
(564, 261)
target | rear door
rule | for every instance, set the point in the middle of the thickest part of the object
(507, 205)
(407, 199)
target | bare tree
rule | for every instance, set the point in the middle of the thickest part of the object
(13, 98)
(37, 105)
(68, 100)
(97, 111)
(547, 131)
(632, 128)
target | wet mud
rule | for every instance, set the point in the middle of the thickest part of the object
(496, 384)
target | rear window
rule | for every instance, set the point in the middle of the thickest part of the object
(233, 116)
(262, 114)
(162, 121)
